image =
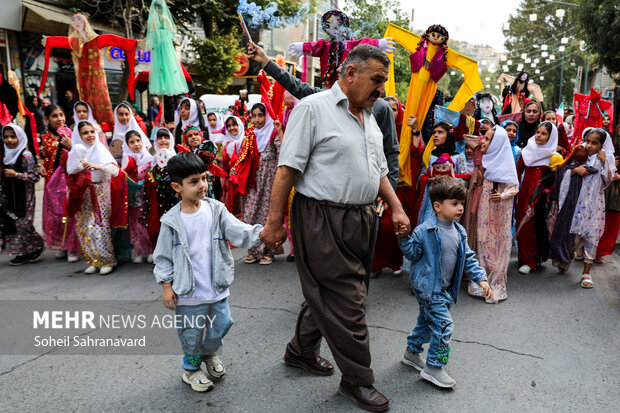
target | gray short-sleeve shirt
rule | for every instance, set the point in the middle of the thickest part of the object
(337, 158)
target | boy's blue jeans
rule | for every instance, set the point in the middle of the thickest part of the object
(204, 327)
(435, 326)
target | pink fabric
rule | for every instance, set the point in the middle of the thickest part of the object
(320, 49)
(54, 200)
(437, 66)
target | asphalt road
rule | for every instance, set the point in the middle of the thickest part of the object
(551, 347)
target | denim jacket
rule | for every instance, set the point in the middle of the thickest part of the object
(423, 249)
(171, 256)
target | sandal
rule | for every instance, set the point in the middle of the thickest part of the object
(562, 267)
(599, 260)
(266, 260)
(250, 259)
(586, 281)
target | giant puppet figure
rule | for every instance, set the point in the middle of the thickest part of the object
(590, 111)
(166, 76)
(334, 52)
(430, 60)
(87, 56)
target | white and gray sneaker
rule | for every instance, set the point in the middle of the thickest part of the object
(198, 380)
(215, 367)
(413, 360)
(437, 376)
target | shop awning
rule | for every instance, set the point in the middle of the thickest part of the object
(44, 18)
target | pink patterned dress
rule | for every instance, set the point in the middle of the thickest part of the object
(494, 238)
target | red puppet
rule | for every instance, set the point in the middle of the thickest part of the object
(86, 47)
(590, 110)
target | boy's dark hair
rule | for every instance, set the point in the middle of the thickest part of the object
(183, 165)
(446, 187)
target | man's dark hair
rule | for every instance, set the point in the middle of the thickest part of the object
(360, 55)
(446, 187)
(183, 165)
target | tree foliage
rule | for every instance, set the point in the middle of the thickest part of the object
(527, 37)
(371, 19)
(214, 61)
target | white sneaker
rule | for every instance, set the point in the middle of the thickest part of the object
(198, 380)
(149, 259)
(106, 269)
(138, 260)
(72, 257)
(91, 270)
(437, 376)
(60, 254)
(525, 269)
(214, 366)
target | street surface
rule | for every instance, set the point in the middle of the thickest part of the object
(551, 347)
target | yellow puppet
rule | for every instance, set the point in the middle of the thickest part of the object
(430, 59)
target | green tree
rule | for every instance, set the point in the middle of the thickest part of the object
(370, 19)
(600, 23)
(216, 70)
(526, 40)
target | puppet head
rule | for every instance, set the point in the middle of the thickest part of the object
(207, 152)
(80, 32)
(444, 165)
(486, 108)
(336, 24)
(436, 34)
(163, 156)
(520, 84)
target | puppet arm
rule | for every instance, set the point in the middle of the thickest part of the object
(51, 42)
(472, 82)
(129, 46)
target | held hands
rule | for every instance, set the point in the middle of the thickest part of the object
(65, 141)
(42, 170)
(581, 171)
(496, 197)
(296, 49)
(273, 235)
(488, 292)
(400, 220)
(412, 122)
(168, 296)
(89, 165)
(387, 45)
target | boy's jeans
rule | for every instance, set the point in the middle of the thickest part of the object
(204, 327)
(434, 325)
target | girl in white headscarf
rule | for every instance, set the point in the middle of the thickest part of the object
(188, 113)
(240, 161)
(137, 162)
(215, 124)
(268, 138)
(500, 185)
(82, 111)
(91, 198)
(588, 221)
(534, 165)
(17, 215)
(124, 121)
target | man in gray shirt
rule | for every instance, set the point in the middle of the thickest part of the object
(332, 152)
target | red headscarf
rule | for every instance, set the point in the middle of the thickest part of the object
(400, 117)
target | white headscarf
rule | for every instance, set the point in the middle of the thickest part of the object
(141, 158)
(11, 155)
(498, 161)
(120, 130)
(608, 148)
(154, 135)
(263, 135)
(215, 134)
(236, 139)
(193, 114)
(82, 152)
(75, 135)
(539, 155)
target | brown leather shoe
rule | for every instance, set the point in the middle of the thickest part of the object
(366, 397)
(315, 365)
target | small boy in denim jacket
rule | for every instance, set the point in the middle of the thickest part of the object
(439, 255)
(195, 267)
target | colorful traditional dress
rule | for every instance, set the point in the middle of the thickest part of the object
(256, 203)
(20, 237)
(92, 199)
(59, 234)
(495, 219)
